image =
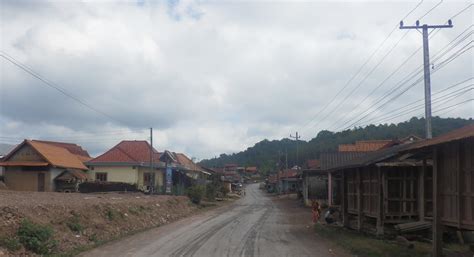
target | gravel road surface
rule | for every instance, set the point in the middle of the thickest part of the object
(256, 225)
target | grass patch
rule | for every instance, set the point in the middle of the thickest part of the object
(11, 244)
(112, 214)
(364, 245)
(74, 223)
(136, 210)
(36, 238)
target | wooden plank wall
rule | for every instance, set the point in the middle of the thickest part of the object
(455, 166)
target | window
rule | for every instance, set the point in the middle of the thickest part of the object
(147, 178)
(101, 176)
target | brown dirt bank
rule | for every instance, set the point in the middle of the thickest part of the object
(84, 220)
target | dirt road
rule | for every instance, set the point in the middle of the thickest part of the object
(256, 225)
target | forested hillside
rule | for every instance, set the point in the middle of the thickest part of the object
(268, 154)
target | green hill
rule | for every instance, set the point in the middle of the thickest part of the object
(267, 155)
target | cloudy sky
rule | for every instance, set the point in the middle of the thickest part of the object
(219, 76)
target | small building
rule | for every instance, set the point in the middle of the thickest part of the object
(129, 162)
(289, 181)
(40, 165)
(380, 188)
(319, 183)
(448, 188)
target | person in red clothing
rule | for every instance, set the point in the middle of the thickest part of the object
(315, 209)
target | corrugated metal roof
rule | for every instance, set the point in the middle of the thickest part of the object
(24, 163)
(372, 157)
(333, 159)
(464, 132)
(365, 146)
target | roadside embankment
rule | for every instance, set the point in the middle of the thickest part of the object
(58, 223)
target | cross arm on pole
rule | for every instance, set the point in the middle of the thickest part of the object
(418, 26)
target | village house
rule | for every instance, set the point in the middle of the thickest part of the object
(415, 185)
(321, 185)
(129, 162)
(288, 181)
(45, 166)
(446, 196)
(318, 183)
(379, 188)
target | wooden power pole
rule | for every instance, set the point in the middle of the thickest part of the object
(297, 137)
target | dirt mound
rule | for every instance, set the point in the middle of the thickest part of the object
(82, 220)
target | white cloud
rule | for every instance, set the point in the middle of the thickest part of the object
(210, 77)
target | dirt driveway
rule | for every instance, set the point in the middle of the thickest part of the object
(256, 225)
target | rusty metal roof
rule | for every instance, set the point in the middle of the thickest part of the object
(24, 163)
(54, 155)
(333, 159)
(457, 134)
(372, 157)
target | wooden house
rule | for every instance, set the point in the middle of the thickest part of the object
(380, 188)
(320, 183)
(449, 189)
(44, 166)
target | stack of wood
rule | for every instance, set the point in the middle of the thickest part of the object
(413, 226)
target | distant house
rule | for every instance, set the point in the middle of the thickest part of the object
(129, 162)
(4, 150)
(289, 181)
(321, 185)
(365, 146)
(251, 170)
(38, 165)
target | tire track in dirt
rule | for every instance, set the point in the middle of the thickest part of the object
(195, 244)
(250, 237)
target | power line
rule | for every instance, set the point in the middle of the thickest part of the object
(54, 85)
(347, 96)
(429, 11)
(436, 93)
(454, 105)
(360, 69)
(410, 76)
(364, 79)
(439, 56)
(450, 108)
(401, 93)
(398, 68)
(439, 101)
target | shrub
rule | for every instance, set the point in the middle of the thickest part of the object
(11, 244)
(35, 237)
(110, 214)
(211, 191)
(74, 224)
(196, 193)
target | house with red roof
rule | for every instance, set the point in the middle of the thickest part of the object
(130, 162)
(36, 165)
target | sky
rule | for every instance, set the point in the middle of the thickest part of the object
(216, 77)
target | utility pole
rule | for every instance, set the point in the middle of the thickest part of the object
(152, 174)
(426, 65)
(296, 137)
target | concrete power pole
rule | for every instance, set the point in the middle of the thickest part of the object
(152, 174)
(426, 65)
(297, 150)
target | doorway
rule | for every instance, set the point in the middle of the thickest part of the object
(41, 182)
